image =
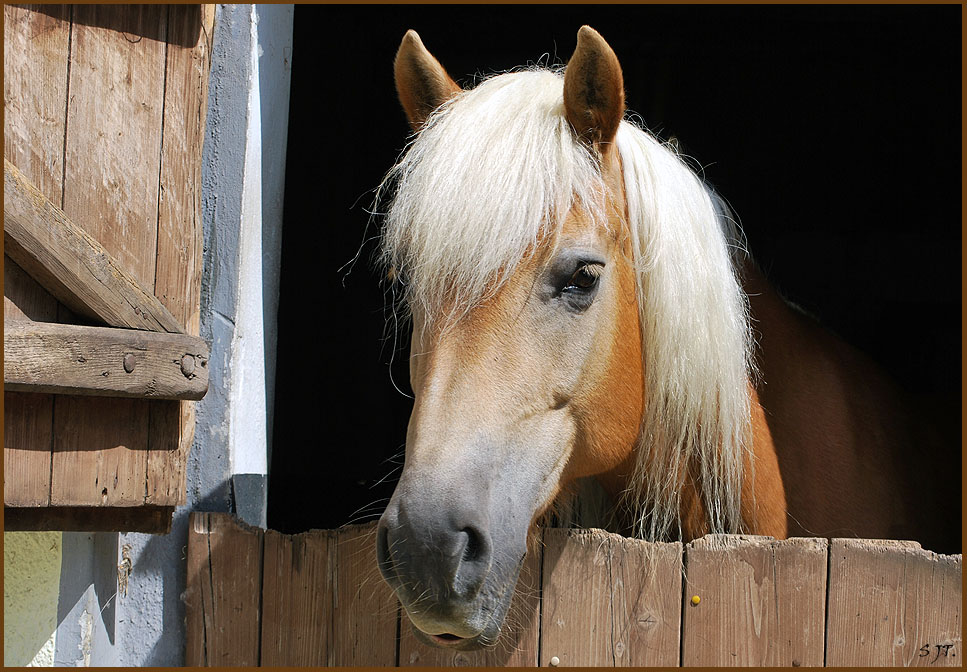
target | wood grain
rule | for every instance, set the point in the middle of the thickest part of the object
(27, 418)
(180, 230)
(35, 62)
(224, 586)
(111, 182)
(71, 359)
(609, 600)
(297, 599)
(102, 462)
(71, 264)
(114, 122)
(762, 601)
(364, 610)
(893, 603)
(27, 442)
(122, 153)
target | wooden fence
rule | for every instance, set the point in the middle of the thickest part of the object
(585, 597)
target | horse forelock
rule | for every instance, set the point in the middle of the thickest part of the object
(492, 176)
(489, 178)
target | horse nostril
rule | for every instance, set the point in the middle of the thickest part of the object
(383, 556)
(474, 547)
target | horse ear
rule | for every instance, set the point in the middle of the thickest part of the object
(594, 96)
(421, 82)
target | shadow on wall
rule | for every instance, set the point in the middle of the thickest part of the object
(157, 582)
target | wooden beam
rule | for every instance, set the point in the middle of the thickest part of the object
(71, 264)
(70, 359)
(147, 519)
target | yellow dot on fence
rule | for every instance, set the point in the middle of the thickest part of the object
(696, 599)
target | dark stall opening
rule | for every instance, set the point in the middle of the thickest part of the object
(833, 132)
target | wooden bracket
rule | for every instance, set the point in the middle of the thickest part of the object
(71, 359)
(71, 264)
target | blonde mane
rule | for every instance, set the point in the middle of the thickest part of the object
(493, 172)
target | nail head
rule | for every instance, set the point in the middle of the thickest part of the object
(188, 366)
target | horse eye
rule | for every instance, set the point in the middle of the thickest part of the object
(586, 277)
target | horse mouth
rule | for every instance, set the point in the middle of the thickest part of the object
(447, 640)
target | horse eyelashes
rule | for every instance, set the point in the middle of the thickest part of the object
(586, 277)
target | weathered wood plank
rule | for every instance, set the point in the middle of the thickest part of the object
(112, 163)
(223, 592)
(762, 601)
(114, 120)
(610, 600)
(297, 599)
(71, 359)
(71, 264)
(24, 298)
(27, 444)
(35, 62)
(27, 418)
(518, 644)
(180, 236)
(99, 461)
(365, 611)
(147, 519)
(893, 603)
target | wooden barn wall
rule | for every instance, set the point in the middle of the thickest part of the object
(105, 113)
(585, 598)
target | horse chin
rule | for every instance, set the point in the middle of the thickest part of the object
(481, 623)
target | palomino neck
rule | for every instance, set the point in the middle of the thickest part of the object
(763, 508)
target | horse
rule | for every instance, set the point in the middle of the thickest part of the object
(583, 305)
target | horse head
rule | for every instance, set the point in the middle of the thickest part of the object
(509, 231)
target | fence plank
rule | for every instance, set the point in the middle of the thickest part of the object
(223, 591)
(762, 601)
(893, 603)
(365, 612)
(518, 644)
(610, 600)
(296, 599)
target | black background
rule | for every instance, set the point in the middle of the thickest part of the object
(834, 133)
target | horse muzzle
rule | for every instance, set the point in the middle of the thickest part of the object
(439, 557)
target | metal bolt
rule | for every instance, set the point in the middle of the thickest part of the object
(695, 600)
(129, 362)
(188, 366)
(554, 661)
